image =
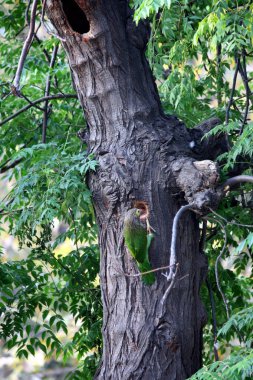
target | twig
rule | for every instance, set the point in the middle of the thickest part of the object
(228, 222)
(214, 320)
(74, 223)
(212, 234)
(45, 25)
(167, 292)
(30, 102)
(44, 50)
(217, 270)
(232, 182)
(244, 76)
(148, 271)
(47, 91)
(51, 97)
(7, 204)
(25, 50)
(173, 255)
(6, 167)
(27, 12)
(242, 96)
(48, 58)
(219, 75)
(217, 277)
(232, 90)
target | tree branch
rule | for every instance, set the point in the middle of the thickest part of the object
(51, 97)
(147, 272)
(7, 167)
(234, 181)
(230, 102)
(214, 320)
(25, 50)
(244, 76)
(47, 91)
(30, 102)
(27, 12)
(210, 291)
(217, 270)
(173, 252)
(219, 74)
(228, 222)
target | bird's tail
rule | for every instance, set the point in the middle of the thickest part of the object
(148, 278)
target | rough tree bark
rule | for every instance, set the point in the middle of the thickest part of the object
(143, 155)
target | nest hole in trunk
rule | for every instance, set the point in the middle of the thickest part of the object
(75, 16)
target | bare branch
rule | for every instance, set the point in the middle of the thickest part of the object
(228, 222)
(147, 272)
(219, 74)
(214, 320)
(44, 50)
(27, 12)
(173, 254)
(234, 181)
(47, 91)
(25, 50)
(5, 168)
(216, 267)
(230, 102)
(32, 104)
(244, 76)
(167, 292)
(75, 229)
(210, 292)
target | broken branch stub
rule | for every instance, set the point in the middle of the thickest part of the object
(198, 180)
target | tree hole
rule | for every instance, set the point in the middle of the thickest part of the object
(143, 206)
(75, 16)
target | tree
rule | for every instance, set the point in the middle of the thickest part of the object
(143, 156)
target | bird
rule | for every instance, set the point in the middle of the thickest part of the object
(138, 238)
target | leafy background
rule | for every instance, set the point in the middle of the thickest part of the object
(201, 56)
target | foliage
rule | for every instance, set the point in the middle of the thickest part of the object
(50, 296)
(200, 53)
(242, 146)
(238, 366)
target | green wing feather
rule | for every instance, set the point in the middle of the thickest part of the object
(138, 241)
(148, 278)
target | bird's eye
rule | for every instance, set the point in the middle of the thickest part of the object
(138, 212)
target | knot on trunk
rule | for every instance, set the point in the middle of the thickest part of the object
(198, 180)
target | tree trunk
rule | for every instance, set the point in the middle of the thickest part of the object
(140, 152)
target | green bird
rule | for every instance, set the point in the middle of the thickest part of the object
(138, 240)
